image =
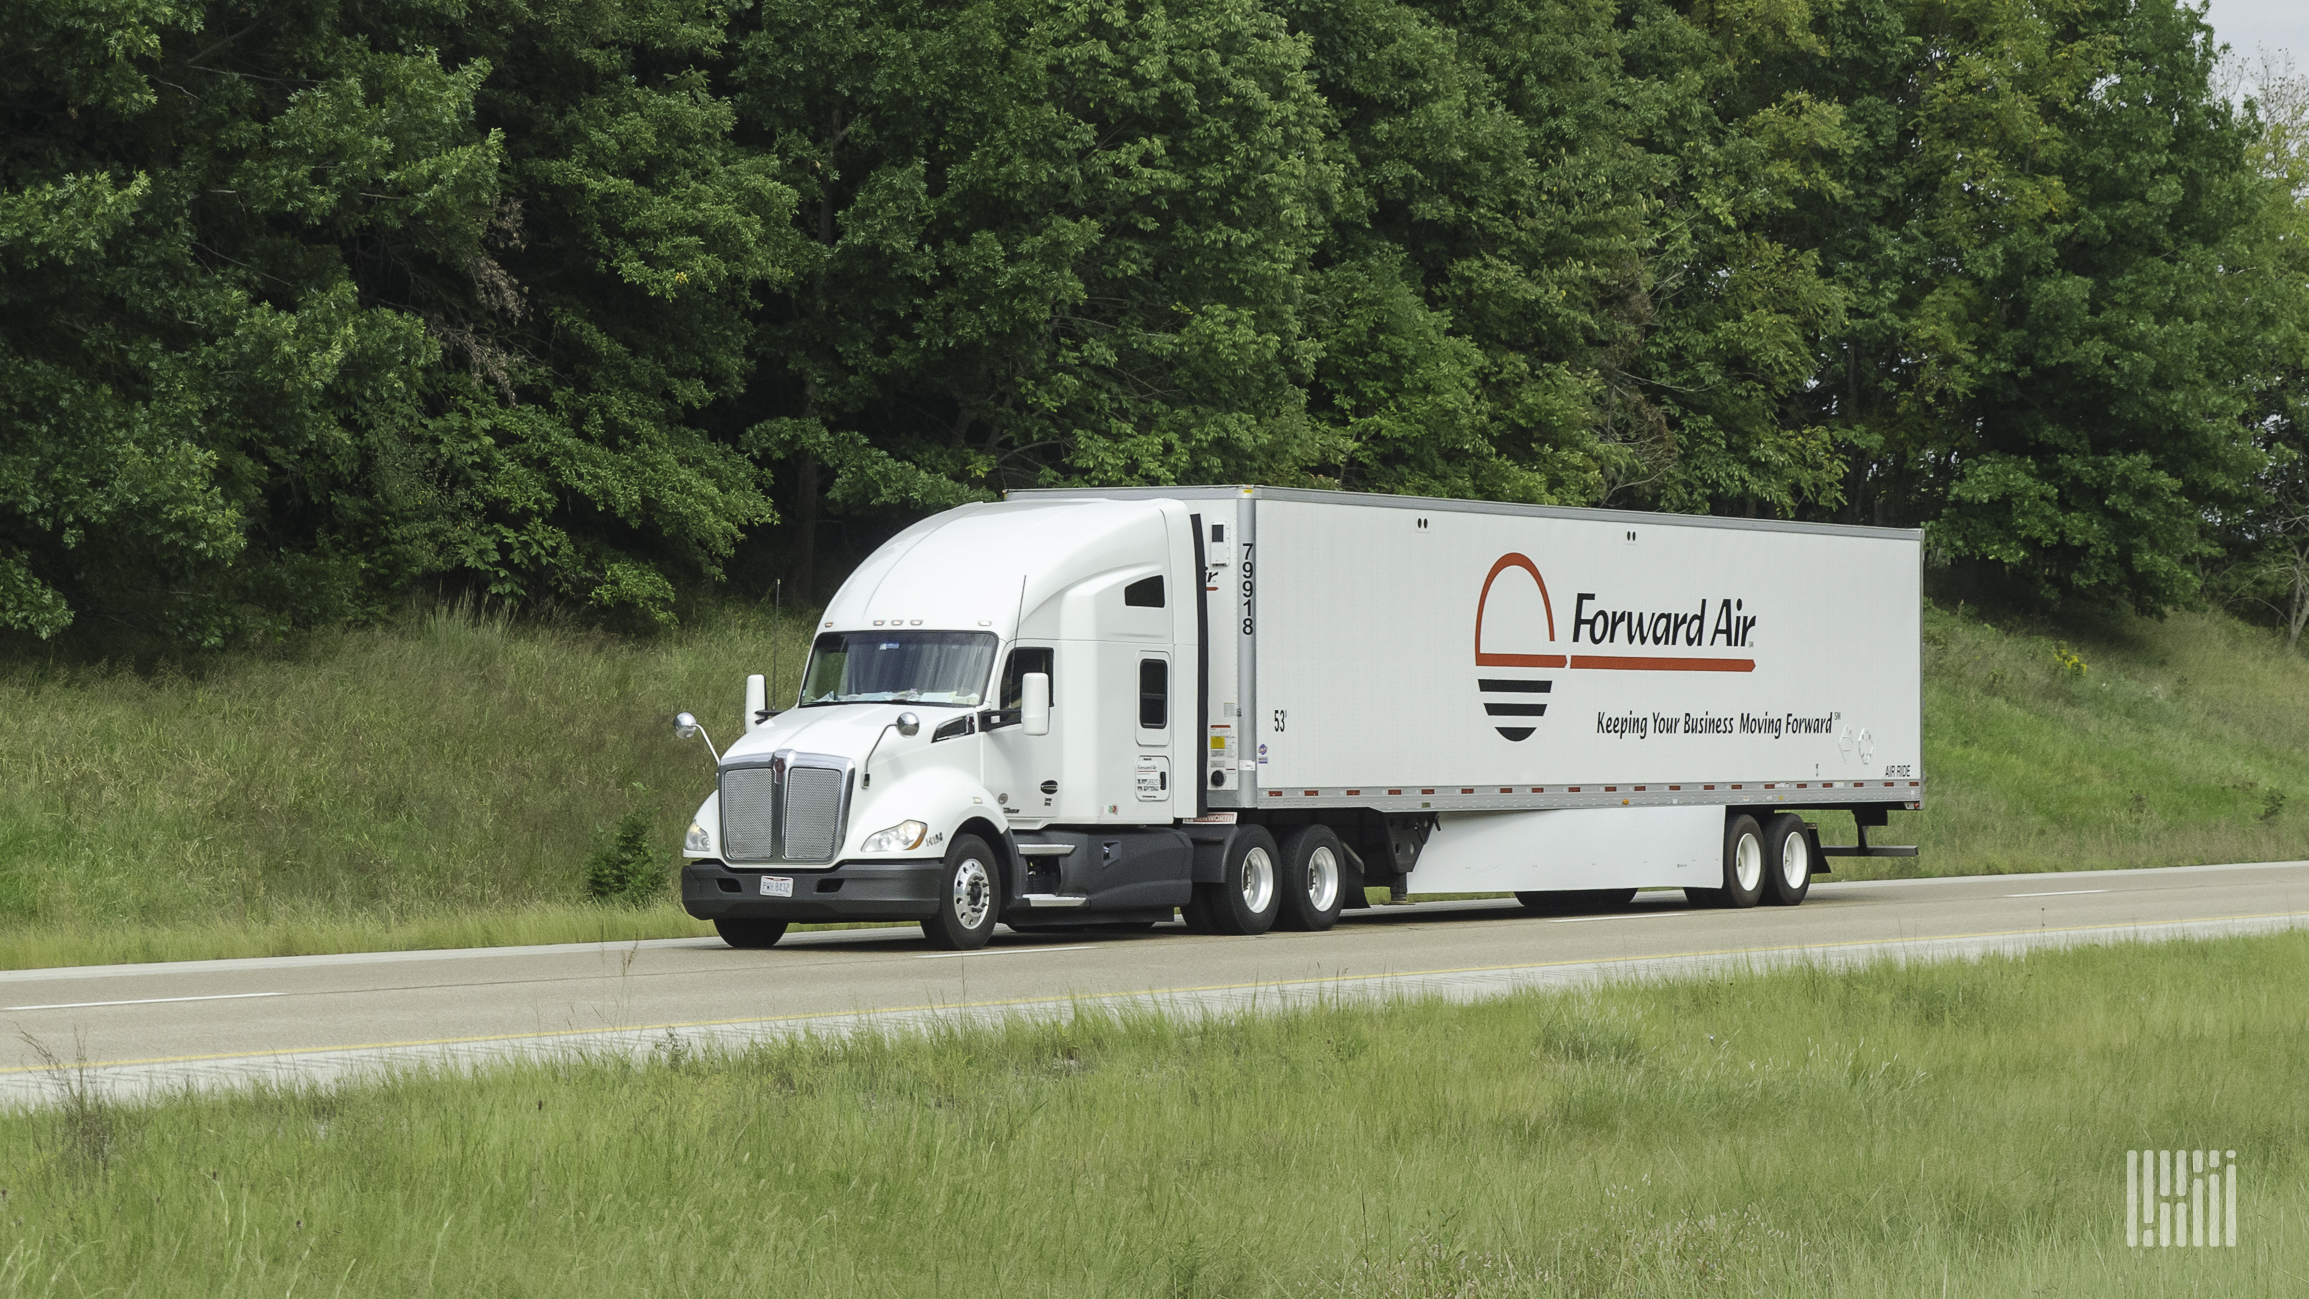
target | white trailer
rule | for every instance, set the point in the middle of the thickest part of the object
(1248, 704)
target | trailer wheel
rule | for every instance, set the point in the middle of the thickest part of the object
(751, 933)
(1246, 897)
(1743, 867)
(969, 895)
(1788, 852)
(1314, 880)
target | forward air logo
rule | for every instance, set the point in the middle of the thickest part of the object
(1515, 620)
(1506, 637)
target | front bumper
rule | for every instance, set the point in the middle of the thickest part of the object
(899, 890)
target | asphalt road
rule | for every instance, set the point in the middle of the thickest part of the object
(146, 1027)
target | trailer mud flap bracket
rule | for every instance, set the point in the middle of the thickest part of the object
(1866, 849)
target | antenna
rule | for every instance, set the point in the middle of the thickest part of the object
(777, 633)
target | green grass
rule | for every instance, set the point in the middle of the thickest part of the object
(1952, 1129)
(439, 783)
(431, 784)
(2181, 742)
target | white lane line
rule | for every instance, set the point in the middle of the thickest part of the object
(146, 1001)
(1635, 915)
(2062, 893)
(1002, 951)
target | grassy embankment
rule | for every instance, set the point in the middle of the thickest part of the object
(439, 784)
(1951, 1128)
(2179, 742)
(432, 785)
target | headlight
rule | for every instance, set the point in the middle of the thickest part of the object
(697, 840)
(902, 837)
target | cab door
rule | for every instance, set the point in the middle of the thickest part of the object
(1154, 728)
(1023, 770)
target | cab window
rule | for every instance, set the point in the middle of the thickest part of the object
(1154, 694)
(1022, 660)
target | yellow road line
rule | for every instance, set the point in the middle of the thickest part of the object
(1146, 993)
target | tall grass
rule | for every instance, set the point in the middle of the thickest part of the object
(421, 782)
(2178, 742)
(1953, 1129)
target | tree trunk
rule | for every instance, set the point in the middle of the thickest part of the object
(2299, 613)
(806, 528)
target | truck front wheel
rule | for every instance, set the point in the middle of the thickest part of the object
(751, 933)
(1245, 899)
(969, 895)
(1313, 880)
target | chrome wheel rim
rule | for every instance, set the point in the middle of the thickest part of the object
(1258, 880)
(1322, 878)
(1748, 864)
(973, 893)
(1795, 862)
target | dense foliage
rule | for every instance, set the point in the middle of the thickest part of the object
(305, 302)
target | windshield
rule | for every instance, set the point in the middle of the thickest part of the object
(913, 667)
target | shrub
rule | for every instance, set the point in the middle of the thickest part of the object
(2068, 661)
(623, 866)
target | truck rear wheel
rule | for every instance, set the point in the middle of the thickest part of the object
(1245, 899)
(1788, 854)
(1743, 867)
(1313, 880)
(751, 933)
(969, 895)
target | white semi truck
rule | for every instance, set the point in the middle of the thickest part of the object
(1246, 705)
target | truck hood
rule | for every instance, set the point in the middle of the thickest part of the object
(843, 730)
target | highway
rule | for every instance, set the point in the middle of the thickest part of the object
(138, 1029)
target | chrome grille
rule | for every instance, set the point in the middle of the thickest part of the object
(749, 807)
(813, 812)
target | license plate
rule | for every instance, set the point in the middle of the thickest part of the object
(777, 886)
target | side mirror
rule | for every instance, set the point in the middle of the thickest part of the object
(1034, 705)
(757, 701)
(685, 727)
(907, 724)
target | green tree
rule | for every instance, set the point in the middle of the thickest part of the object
(2266, 539)
(2056, 292)
(305, 302)
(1552, 280)
(1049, 242)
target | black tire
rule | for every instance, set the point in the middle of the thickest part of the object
(751, 933)
(1787, 850)
(1313, 882)
(1197, 915)
(1740, 835)
(1576, 901)
(969, 896)
(1250, 877)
